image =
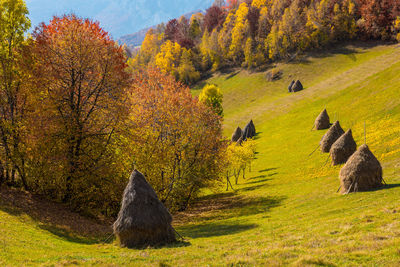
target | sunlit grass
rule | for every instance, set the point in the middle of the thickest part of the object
(287, 211)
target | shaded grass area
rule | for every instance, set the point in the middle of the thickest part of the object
(287, 211)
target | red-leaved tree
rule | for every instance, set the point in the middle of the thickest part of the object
(78, 81)
(378, 17)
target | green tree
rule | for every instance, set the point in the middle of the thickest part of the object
(13, 25)
(211, 96)
(186, 71)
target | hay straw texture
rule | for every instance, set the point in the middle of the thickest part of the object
(143, 220)
(290, 86)
(249, 131)
(322, 122)
(236, 135)
(362, 172)
(343, 148)
(331, 136)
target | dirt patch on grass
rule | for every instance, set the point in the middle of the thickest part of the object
(55, 216)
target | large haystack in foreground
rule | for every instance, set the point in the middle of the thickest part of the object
(143, 220)
(362, 172)
(322, 121)
(249, 131)
(331, 136)
(236, 135)
(343, 148)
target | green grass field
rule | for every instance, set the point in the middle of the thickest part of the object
(287, 211)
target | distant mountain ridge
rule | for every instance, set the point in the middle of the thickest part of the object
(119, 17)
(136, 39)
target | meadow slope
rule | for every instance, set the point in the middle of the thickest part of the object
(287, 211)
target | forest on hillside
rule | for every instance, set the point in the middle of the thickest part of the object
(76, 120)
(77, 115)
(252, 33)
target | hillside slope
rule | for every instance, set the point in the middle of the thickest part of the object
(287, 211)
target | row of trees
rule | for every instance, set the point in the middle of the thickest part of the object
(75, 119)
(251, 33)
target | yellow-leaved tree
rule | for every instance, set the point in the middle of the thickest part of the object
(237, 158)
(238, 33)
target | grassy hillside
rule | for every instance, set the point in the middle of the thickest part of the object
(287, 211)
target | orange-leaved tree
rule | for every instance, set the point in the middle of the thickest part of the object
(174, 139)
(79, 82)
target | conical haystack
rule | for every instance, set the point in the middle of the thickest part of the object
(236, 135)
(343, 148)
(331, 136)
(362, 172)
(297, 86)
(249, 131)
(322, 121)
(290, 86)
(143, 220)
(253, 128)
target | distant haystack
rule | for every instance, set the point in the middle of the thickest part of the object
(331, 136)
(249, 131)
(253, 128)
(297, 86)
(237, 134)
(143, 220)
(290, 86)
(362, 172)
(322, 121)
(343, 148)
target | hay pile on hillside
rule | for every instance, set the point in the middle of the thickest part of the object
(343, 148)
(249, 131)
(322, 121)
(143, 220)
(297, 86)
(331, 136)
(236, 135)
(362, 172)
(290, 86)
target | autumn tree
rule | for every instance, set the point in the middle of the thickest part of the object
(378, 17)
(79, 82)
(211, 96)
(173, 139)
(238, 33)
(186, 71)
(13, 96)
(214, 18)
(237, 158)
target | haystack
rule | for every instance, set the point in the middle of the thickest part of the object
(362, 172)
(249, 131)
(290, 86)
(322, 121)
(236, 135)
(331, 136)
(253, 128)
(143, 220)
(297, 86)
(343, 148)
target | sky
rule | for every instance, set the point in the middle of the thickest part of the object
(119, 17)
